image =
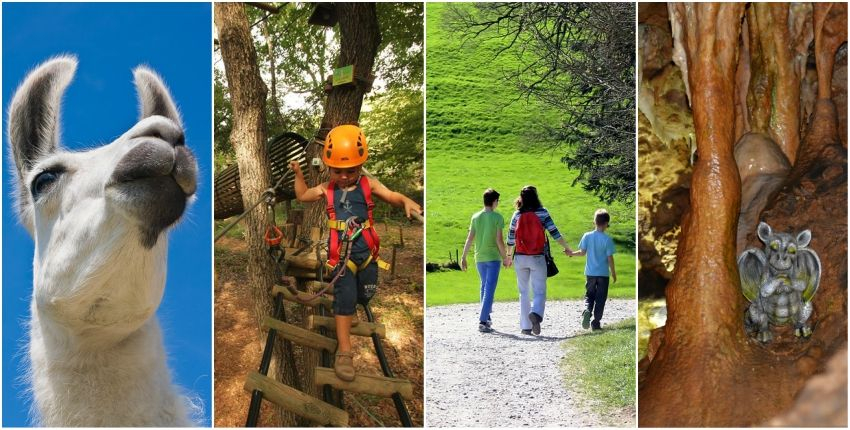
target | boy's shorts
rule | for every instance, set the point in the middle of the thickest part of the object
(351, 289)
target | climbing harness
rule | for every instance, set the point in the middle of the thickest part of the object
(338, 228)
(353, 230)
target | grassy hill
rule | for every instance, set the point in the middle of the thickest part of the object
(477, 138)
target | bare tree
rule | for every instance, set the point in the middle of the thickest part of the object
(578, 58)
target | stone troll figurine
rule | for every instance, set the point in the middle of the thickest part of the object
(779, 282)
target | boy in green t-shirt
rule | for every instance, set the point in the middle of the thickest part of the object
(485, 229)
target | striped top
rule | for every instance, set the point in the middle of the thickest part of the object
(545, 219)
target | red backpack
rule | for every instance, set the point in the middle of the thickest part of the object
(530, 237)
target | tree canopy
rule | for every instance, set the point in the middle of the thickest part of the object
(295, 59)
(578, 58)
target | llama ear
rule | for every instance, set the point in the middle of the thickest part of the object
(154, 97)
(34, 112)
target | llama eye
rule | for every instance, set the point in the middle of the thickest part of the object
(43, 181)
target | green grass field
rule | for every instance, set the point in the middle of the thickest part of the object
(601, 365)
(477, 138)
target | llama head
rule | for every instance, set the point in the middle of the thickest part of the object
(98, 217)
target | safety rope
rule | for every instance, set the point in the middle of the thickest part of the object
(267, 196)
(353, 229)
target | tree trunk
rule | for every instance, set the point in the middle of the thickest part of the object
(248, 137)
(359, 40)
(707, 371)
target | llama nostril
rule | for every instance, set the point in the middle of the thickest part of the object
(175, 139)
(180, 141)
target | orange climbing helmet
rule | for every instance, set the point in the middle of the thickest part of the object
(345, 146)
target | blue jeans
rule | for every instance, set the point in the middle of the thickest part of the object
(488, 271)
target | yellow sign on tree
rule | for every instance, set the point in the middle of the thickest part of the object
(343, 75)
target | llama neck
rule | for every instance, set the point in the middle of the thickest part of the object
(124, 383)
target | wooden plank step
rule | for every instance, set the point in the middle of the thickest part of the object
(362, 328)
(303, 262)
(314, 301)
(297, 402)
(366, 384)
(301, 273)
(299, 335)
(316, 286)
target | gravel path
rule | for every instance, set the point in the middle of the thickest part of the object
(504, 378)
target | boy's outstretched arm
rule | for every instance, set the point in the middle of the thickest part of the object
(611, 267)
(579, 253)
(394, 198)
(302, 193)
(469, 239)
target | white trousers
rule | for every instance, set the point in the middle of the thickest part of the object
(530, 275)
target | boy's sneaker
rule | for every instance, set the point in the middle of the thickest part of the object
(344, 366)
(526, 331)
(585, 319)
(535, 322)
(596, 326)
(484, 328)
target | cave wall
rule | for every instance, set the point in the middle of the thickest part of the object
(665, 135)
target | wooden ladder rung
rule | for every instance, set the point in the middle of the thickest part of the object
(296, 402)
(366, 384)
(307, 299)
(303, 262)
(316, 286)
(299, 335)
(300, 273)
(362, 328)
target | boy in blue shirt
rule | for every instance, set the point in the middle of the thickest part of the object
(599, 249)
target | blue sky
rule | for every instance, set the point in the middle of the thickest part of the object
(109, 40)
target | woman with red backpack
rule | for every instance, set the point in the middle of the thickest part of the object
(527, 243)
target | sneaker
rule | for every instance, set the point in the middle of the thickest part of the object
(484, 328)
(585, 319)
(344, 366)
(526, 331)
(596, 326)
(535, 322)
(489, 323)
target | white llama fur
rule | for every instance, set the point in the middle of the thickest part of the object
(99, 221)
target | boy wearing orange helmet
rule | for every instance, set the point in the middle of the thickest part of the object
(349, 205)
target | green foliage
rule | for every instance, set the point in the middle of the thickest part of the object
(222, 114)
(400, 62)
(396, 139)
(475, 126)
(600, 366)
(300, 56)
(578, 59)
